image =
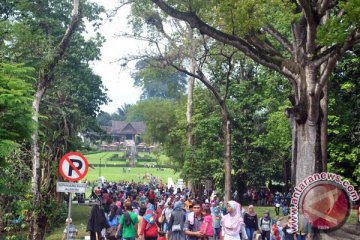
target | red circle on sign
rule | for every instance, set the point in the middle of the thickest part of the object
(66, 162)
(326, 206)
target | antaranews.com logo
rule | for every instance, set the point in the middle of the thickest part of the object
(324, 199)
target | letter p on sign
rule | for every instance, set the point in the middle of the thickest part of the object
(73, 166)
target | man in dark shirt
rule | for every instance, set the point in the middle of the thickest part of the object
(193, 223)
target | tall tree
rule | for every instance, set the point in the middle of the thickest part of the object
(344, 118)
(123, 110)
(38, 34)
(302, 40)
(157, 81)
(38, 221)
(159, 116)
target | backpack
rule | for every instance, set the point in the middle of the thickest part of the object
(270, 223)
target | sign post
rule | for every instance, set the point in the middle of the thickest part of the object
(73, 167)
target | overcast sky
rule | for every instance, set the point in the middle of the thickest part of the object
(117, 80)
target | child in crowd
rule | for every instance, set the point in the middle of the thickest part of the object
(72, 230)
(275, 233)
(207, 227)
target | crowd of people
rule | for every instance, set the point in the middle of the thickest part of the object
(132, 211)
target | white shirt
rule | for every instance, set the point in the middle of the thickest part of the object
(236, 236)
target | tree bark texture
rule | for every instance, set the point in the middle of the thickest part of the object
(191, 81)
(301, 65)
(227, 151)
(38, 220)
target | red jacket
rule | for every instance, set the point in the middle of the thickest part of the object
(152, 231)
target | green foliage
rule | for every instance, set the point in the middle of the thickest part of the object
(15, 106)
(344, 115)
(159, 116)
(104, 119)
(336, 29)
(157, 81)
(14, 188)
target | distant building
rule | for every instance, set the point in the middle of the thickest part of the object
(121, 131)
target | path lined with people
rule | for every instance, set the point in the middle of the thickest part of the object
(150, 211)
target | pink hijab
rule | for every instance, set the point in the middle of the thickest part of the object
(233, 222)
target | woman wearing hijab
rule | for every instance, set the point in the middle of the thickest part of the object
(113, 221)
(176, 223)
(96, 223)
(232, 223)
(251, 221)
(149, 227)
(265, 224)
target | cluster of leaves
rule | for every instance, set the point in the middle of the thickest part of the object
(344, 115)
(15, 106)
(157, 81)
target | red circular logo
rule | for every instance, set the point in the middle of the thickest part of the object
(325, 205)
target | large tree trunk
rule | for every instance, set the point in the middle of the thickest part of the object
(37, 223)
(227, 151)
(189, 106)
(306, 123)
(191, 81)
(309, 154)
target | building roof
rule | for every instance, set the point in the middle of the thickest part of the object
(122, 128)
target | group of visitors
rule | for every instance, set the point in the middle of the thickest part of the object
(132, 211)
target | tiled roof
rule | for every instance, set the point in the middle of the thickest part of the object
(121, 127)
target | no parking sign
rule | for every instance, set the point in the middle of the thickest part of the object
(73, 166)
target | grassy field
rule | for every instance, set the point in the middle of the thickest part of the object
(116, 173)
(105, 157)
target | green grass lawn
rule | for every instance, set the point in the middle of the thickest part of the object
(95, 158)
(105, 157)
(116, 173)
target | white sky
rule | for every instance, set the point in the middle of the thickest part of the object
(116, 79)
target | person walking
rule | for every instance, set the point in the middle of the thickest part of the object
(251, 222)
(96, 223)
(216, 218)
(128, 223)
(288, 231)
(148, 227)
(113, 221)
(176, 223)
(193, 223)
(265, 224)
(232, 223)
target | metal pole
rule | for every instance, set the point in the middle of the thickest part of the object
(69, 216)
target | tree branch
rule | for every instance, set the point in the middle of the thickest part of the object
(275, 63)
(281, 39)
(48, 74)
(263, 45)
(325, 5)
(310, 27)
(229, 60)
(324, 56)
(200, 76)
(351, 40)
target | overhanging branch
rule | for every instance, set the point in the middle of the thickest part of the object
(276, 63)
(279, 37)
